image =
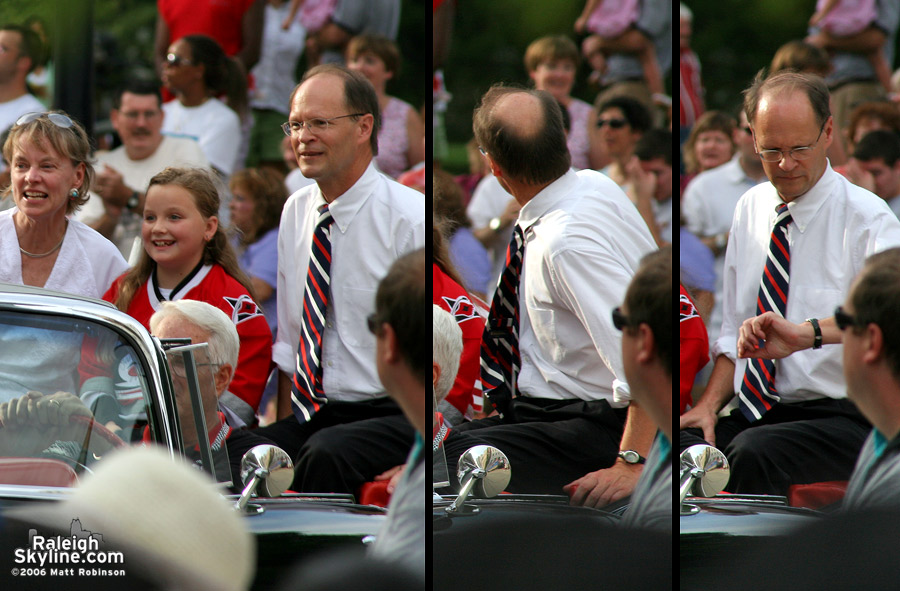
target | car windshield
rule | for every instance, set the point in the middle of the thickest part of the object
(71, 390)
(198, 409)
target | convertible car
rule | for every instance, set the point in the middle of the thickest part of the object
(120, 386)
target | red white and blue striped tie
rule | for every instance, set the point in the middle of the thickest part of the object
(500, 359)
(758, 393)
(307, 394)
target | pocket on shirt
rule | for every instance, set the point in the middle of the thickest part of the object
(819, 302)
(352, 319)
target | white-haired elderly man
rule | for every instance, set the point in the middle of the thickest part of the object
(203, 323)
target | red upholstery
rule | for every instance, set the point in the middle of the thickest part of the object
(374, 493)
(37, 472)
(816, 494)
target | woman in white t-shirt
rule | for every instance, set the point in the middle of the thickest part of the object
(197, 71)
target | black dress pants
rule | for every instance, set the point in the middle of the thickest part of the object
(549, 444)
(794, 443)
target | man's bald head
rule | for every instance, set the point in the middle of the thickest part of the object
(522, 131)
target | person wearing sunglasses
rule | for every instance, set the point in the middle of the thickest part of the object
(51, 172)
(870, 347)
(645, 321)
(620, 123)
(197, 71)
(795, 245)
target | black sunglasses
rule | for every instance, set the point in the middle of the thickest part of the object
(845, 320)
(613, 123)
(620, 320)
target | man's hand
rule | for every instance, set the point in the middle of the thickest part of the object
(110, 186)
(32, 422)
(392, 476)
(702, 417)
(769, 336)
(600, 488)
(643, 183)
(510, 213)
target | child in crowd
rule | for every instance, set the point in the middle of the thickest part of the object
(613, 23)
(187, 255)
(848, 19)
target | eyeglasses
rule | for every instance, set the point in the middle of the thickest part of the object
(747, 130)
(315, 126)
(845, 320)
(801, 153)
(57, 119)
(620, 320)
(135, 115)
(613, 123)
(178, 369)
(177, 60)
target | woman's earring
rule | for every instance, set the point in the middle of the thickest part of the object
(73, 194)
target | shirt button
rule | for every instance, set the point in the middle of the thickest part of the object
(330, 364)
(329, 325)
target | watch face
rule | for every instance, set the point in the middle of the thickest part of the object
(494, 224)
(629, 456)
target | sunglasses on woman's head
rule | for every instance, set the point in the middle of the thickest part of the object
(57, 119)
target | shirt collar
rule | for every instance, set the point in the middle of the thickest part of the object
(550, 196)
(804, 208)
(345, 207)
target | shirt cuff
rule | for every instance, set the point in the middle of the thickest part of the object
(284, 355)
(621, 393)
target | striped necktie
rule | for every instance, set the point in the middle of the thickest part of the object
(307, 394)
(758, 393)
(500, 360)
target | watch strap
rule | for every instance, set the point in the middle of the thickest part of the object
(817, 333)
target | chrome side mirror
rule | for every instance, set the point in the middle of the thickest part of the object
(483, 470)
(704, 473)
(265, 469)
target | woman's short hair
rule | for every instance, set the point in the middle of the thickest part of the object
(555, 47)
(269, 194)
(69, 142)
(381, 46)
(446, 349)
(708, 121)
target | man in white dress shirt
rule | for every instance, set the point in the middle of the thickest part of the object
(803, 429)
(334, 124)
(583, 242)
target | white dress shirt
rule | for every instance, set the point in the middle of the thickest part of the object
(835, 226)
(376, 221)
(708, 206)
(584, 240)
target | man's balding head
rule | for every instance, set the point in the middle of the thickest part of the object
(522, 131)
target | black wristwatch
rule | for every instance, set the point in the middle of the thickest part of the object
(631, 457)
(133, 201)
(817, 333)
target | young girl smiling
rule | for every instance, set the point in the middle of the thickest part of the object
(187, 256)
